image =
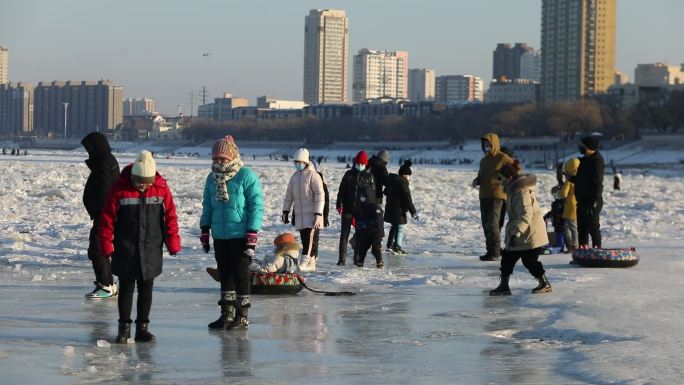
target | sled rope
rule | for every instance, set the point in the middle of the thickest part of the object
(328, 293)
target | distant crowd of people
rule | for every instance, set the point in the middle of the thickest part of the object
(15, 152)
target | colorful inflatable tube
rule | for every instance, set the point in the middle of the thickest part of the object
(623, 257)
(268, 283)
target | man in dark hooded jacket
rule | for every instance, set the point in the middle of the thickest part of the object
(104, 171)
(589, 192)
(378, 166)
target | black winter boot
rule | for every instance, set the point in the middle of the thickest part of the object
(227, 304)
(124, 332)
(543, 287)
(141, 332)
(241, 320)
(503, 288)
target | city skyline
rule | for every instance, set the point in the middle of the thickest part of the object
(158, 51)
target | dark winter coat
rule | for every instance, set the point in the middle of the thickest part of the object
(589, 178)
(398, 200)
(369, 223)
(379, 169)
(135, 225)
(326, 206)
(104, 171)
(353, 184)
(556, 214)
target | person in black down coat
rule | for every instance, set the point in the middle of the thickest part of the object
(589, 192)
(370, 229)
(399, 201)
(355, 181)
(104, 171)
(378, 166)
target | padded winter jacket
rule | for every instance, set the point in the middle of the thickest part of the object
(398, 200)
(284, 260)
(353, 183)
(490, 164)
(589, 178)
(243, 211)
(568, 192)
(525, 219)
(104, 171)
(379, 169)
(306, 196)
(135, 225)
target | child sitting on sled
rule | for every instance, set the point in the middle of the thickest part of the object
(284, 258)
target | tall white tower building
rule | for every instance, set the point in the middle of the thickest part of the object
(326, 51)
(4, 65)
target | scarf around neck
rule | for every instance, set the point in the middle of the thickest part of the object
(222, 173)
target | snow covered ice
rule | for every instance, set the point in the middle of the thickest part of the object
(425, 318)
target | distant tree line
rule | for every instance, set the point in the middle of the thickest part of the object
(658, 110)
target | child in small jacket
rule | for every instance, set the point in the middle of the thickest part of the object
(556, 216)
(138, 218)
(284, 258)
(525, 230)
(570, 205)
(370, 230)
(399, 201)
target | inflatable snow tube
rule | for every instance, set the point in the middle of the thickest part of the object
(606, 257)
(268, 283)
(274, 283)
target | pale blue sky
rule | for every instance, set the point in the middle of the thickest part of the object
(154, 47)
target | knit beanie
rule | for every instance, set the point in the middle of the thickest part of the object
(590, 142)
(144, 168)
(225, 148)
(283, 239)
(405, 168)
(384, 155)
(302, 155)
(361, 158)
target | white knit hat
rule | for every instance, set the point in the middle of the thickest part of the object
(144, 168)
(302, 155)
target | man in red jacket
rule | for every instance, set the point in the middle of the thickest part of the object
(138, 217)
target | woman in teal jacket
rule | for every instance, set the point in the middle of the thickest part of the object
(232, 208)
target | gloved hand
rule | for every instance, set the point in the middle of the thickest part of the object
(318, 221)
(285, 217)
(204, 239)
(339, 210)
(415, 217)
(476, 182)
(512, 241)
(250, 243)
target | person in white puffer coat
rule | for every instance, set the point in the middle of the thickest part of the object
(305, 197)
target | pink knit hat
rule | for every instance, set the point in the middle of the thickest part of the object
(225, 148)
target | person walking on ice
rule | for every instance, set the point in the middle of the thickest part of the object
(138, 217)
(232, 213)
(525, 230)
(305, 197)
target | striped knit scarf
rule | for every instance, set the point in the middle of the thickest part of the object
(222, 173)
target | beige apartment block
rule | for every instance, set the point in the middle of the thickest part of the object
(139, 107)
(4, 65)
(326, 51)
(380, 74)
(459, 89)
(16, 108)
(421, 85)
(578, 48)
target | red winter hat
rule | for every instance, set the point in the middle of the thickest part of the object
(361, 158)
(283, 239)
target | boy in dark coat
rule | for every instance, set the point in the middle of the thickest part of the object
(589, 192)
(399, 201)
(138, 218)
(378, 166)
(355, 181)
(104, 171)
(370, 229)
(556, 216)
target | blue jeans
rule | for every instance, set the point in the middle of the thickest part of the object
(396, 236)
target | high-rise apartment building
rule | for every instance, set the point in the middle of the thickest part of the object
(4, 65)
(578, 48)
(326, 61)
(507, 60)
(530, 66)
(16, 108)
(380, 74)
(139, 107)
(77, 107)
(658, 75)
(421, 85)
(457, 89)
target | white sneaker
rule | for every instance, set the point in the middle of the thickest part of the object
(113, 289)
(305, 264)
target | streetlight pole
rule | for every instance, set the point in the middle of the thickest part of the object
(65, 104)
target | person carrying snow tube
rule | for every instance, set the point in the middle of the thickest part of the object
(232, 211)
(525, 230)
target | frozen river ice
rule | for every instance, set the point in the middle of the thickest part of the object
(425, 318)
